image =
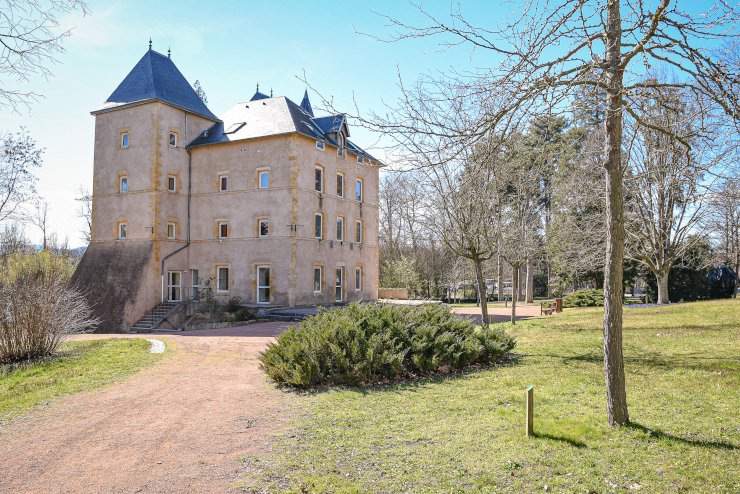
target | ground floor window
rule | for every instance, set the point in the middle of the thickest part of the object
(223, 279)
(194, 284)
(338, 285)
(174, 285)
(358, 278)
(263, 284)
(317, 279)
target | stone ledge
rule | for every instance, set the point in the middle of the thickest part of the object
(217, 325)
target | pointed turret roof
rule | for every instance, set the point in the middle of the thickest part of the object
(306, 104)
(156, 78)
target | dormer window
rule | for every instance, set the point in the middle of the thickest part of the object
(340, 143)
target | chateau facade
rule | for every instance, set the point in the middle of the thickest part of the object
(270, 203)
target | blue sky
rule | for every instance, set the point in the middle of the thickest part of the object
(228, 46)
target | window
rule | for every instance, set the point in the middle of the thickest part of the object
(263, 284)
(340, 229)
(194, 283)
(171, 183)
(223, 183)
(340, 143)
(317, 279)
(170, 230)
(223, 230)
(124, 140)
(338, 284)
(122, 231)
(319, 145)
(318, 225)
(263, 228)
(173, 139)
(319, 180)
(223, 279)
(358, 189)
(358, 279)
(358, 232)
(173, 286)
(264, 180)
(359, 159)
(340, 185)
(124, 184)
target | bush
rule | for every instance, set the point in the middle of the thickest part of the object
(38, 309)
(366, 343)
(584, 298)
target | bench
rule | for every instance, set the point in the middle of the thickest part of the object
(548, 308)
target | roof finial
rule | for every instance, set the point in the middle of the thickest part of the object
(270, 92)
(150, 42)
(258, 87)
(169, 52)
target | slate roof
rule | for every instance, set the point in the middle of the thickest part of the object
(306, 104)
(271, 117)
(259, 95)
(156, 78)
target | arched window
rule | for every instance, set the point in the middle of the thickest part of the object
(340, 142)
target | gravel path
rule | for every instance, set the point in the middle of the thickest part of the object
(178, 426)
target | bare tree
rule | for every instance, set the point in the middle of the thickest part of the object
(84, 211)
(40, 219)
(547, 51)
(200, 92)
(669, 179)
(724, 222)
(29, 43)
(18, 158)
(13, 240)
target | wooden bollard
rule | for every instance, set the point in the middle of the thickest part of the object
(530, 411)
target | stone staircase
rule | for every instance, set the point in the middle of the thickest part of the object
(147, 323)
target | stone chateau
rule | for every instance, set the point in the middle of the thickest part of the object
(269, 202)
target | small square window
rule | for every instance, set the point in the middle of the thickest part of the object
(340, 229)
(317, 279)
(264, 228)
(170, 230)
(171, 183)
(124, 184)
(124, 140)
(224, 183)
(264, 180)
(359, 159)
(122, 231)
(173, 139)
(358, 190)
(319, 145)
(318, 226)
(358, 279)
(340, 185)
(223, 230)
(319, 180)
(358, 232)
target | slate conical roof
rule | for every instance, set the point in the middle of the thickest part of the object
(306, 104)
(156, 78)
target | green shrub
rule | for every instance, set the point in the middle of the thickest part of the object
(584, 298)
(366, 343)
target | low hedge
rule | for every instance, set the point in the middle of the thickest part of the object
(584, 298)
(369, 343)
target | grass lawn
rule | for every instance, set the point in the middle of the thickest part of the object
(466, 434)
(79, 366)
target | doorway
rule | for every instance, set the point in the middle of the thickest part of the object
(339, 284)
(263, 284)
(174, 284)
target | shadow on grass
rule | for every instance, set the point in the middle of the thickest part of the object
(572, 442)
(655, 360)
(689, 442)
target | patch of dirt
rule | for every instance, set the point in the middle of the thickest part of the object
(179, 426)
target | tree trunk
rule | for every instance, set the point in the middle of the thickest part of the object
(530, 281)
(481, 291)
(500, 279)
(514, 281)
(549, 280)
(616, 396)
(518, 284)
(662, 288)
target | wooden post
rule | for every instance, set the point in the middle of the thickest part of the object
(530, 411)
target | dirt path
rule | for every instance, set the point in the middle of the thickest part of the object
(178, 426)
